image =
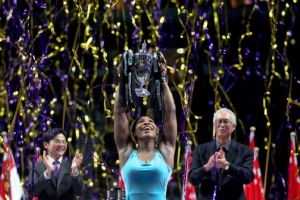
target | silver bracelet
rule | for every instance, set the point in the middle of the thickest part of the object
(163, 79)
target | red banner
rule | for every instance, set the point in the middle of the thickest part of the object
(190, 189)
(254, 190)
(121, 182)
(294, 179)
(9, 177)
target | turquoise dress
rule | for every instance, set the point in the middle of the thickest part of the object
(146, 181)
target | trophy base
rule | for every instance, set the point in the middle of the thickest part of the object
(141, 92)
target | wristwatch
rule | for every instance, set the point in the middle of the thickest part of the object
(227, 166)
(164, 79)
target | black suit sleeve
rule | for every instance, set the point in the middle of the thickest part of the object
(197, 172)
(78, 186)
(39, 180)
(243, 173)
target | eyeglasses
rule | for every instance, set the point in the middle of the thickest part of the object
(63, 142)
(226, 122)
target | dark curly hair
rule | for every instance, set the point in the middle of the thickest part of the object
(132, 128)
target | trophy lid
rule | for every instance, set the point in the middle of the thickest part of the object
(143, 55)
(143, 58)
(144, 47)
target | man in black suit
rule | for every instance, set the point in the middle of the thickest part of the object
(54, 177)
(222, 166)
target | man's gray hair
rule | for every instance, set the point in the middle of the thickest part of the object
(227, 110)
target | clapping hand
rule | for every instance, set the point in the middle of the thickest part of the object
(77, 160)
(210, 163)
(47, 163)
(220, 159)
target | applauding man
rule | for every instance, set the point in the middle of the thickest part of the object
(222, 166)
(55, 177)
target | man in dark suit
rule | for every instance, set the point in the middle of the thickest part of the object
(54, 177)
(222, 166)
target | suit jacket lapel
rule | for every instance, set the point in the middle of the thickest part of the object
(53, 179)
(210, 150)
(232, 152)
(62, 171)
(41, 168)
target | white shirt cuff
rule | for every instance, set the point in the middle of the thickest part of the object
(75, 174)
(46, 177)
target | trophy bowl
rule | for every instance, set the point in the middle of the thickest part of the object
(142, 71)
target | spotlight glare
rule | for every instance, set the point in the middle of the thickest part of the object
(180, 51)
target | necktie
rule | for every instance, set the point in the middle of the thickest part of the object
(56, 168)
(222, 148)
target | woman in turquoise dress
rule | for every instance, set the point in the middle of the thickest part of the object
(145, 159)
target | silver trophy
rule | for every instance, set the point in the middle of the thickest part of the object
(142, 70)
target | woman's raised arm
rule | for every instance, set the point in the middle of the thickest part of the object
(120, 123)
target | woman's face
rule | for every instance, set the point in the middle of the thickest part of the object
(145, 128)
